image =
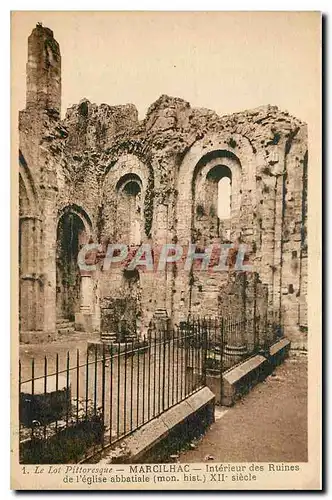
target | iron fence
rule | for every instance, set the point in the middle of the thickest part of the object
(112, 391)
(96, 399)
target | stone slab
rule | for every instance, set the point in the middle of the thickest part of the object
(213, 381)
(143, 439)
(177, 414)
(134, 447)
(199, 399)
(241, 378)
(240, 371)
(278, 346)
(278, 352)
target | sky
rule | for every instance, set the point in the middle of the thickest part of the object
(224, 61)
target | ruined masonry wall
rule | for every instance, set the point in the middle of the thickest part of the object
(78, 164)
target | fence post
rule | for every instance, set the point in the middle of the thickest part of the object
(77, 381)
(221, 345)
(132, 347)
(67, 385)
(143, 382)
(154, 375)
(164, 370)
(205, 348)
(103, 395)
(95, 383)
(118, 350)
(149, 375)
(45, 391)
(111, 391)
(221, 356)
(56, 383)
(86, 382)
(125, 389)
(19, 395)
(256, 342)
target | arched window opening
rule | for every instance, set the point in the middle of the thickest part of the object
(224, 198)
(217, 192)
(130, 210)
(71, 236)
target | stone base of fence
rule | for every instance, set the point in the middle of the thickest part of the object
(279, 351)
(238, 380)
(157, 439)
(115, 347)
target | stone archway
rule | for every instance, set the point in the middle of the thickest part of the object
(72, 288)
(209, 160)
(208, 152)
(207, 197)
(129, 210)
(211, 169)
(127, 201)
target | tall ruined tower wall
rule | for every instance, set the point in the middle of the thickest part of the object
(38, 184)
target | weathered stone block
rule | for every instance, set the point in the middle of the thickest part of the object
(240, 379)
(278, 352)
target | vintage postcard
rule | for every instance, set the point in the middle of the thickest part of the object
(166, 243)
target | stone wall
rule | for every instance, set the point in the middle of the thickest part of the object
(161, 173)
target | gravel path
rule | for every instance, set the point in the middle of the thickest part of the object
(267, 425)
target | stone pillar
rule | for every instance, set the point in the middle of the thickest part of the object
(294, 269)
(30, 276)
(84, 319)
(251, 311)
(161, 278)
(86, 294)
(49, 261)
(234, 309)
(261, 315)
(267, 216)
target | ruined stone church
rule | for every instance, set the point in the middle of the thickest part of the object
(102, 175)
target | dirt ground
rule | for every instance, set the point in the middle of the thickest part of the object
(75, 342)
(267, 425)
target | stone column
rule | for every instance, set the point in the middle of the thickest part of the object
(83, 319)
(161, 278)
(30, 277)
(86, 293)
(250, 311)
(234, 309)
(49, 261)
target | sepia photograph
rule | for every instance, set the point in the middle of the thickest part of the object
(166, 172)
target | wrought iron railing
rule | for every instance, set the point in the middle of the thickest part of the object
(75, 405)
(113, 391)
